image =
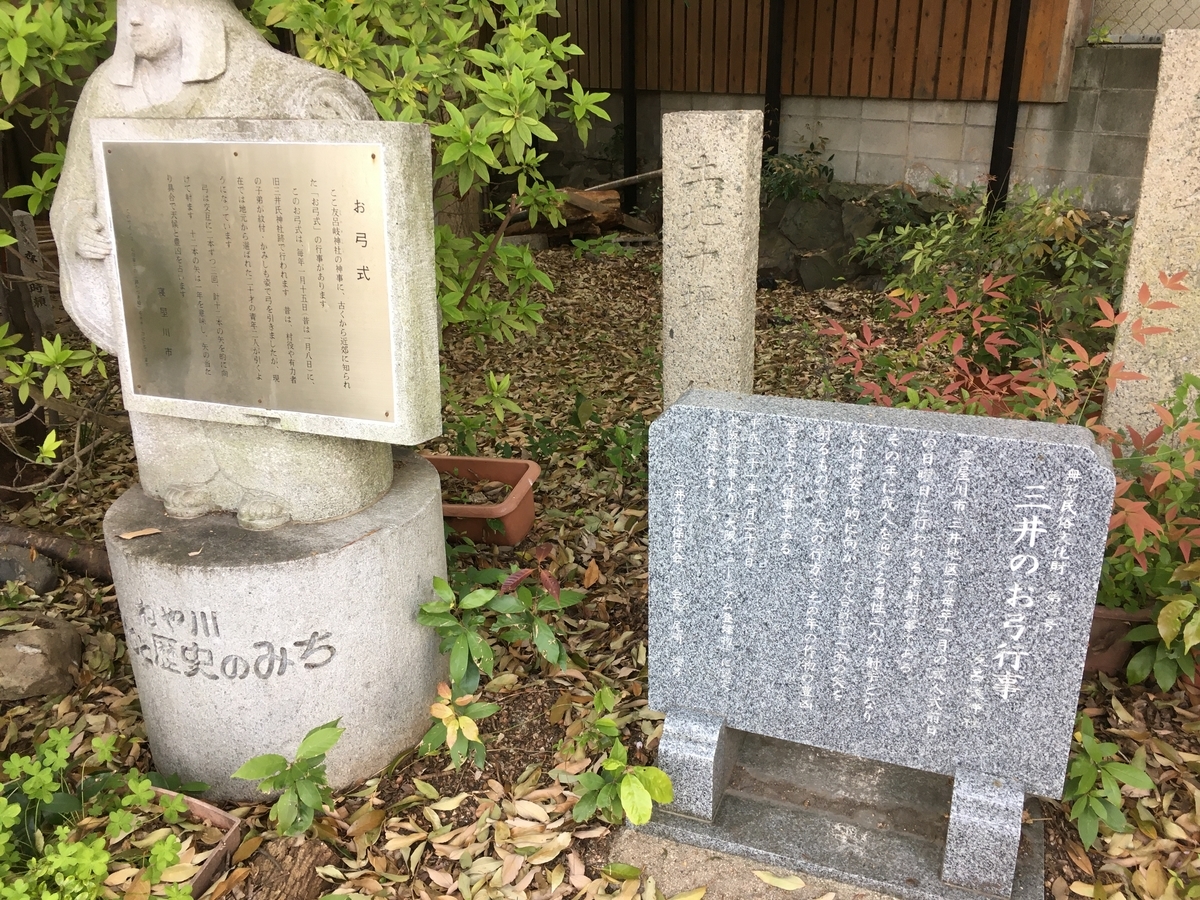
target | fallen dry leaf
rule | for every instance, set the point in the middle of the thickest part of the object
(246, 849)
(1079, 856)
(591, 575)
(143, 532)
(786, 882)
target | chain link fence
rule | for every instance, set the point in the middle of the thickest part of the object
(1142, 21)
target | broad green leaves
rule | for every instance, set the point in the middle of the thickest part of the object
(302, 782)
(456, 716)
(1094, 779)
(486, 103)
(513, 613)
(43, 45)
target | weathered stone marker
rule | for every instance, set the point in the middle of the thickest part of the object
(1166, 239)
(711, 167)
(33, 265)
(906, 587)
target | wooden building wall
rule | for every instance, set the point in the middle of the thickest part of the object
(898, 49)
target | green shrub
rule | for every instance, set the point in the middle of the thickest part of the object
(787, 176)
(486, 80)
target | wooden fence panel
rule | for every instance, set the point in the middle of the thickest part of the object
(884, 51)
(950, 63)
(822, 61)
(980, 28)
(902, 49)
(863, 48)
(904, 52)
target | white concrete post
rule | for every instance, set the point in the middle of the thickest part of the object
(1166, 239)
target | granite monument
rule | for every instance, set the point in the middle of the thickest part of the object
(897, 587)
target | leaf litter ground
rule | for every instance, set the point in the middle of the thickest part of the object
(423, 829)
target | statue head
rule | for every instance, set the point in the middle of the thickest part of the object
(151, 29)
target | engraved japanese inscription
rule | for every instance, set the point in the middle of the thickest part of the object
(255, 274)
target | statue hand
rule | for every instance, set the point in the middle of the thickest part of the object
(90, 240)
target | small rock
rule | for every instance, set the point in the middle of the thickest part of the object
(40, 661)
(812, 224)
(817, 272)
(776, 257)
(532, 241)
(858, 221)
(15, 565)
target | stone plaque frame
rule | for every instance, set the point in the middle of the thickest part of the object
(395, 372)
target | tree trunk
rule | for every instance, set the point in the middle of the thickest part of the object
(289, 873)
(461, 214)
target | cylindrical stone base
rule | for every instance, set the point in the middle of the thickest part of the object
(243, 641)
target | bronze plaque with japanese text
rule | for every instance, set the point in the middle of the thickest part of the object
(255, 274)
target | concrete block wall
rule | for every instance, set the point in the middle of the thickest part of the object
(1095, 141)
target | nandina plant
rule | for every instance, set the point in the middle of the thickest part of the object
(1043, 373)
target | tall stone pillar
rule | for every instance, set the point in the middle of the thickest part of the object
(711, 167)
(1166, 239)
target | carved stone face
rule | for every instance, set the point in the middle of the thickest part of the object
(153, 31)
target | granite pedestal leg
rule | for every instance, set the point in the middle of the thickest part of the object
(242, 641)
(698, 752)
(984, 833)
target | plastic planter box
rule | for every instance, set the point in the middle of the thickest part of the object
(514, 513)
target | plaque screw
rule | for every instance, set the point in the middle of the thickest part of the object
(386, 414)
(372, 155)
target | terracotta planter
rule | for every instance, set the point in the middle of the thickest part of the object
(222, 855)
(514, 513)
(1108, 651)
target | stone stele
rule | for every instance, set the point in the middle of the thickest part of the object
(177, 65)
(711, 167)
(909, 587)
(1164, 261)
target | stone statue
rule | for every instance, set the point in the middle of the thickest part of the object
(201, 59)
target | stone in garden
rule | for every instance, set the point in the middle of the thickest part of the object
(776, 256)
(257, 249)
(39, 656)
(711, 167)
(234, 392)
(812, 224)
(15, 565)
(1166, 239)
(817, 271)
(906, 588)
(33, 265)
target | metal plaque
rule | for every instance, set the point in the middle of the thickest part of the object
(255, 274)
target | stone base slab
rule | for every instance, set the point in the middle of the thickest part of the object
(874, 825)
(241, 642)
